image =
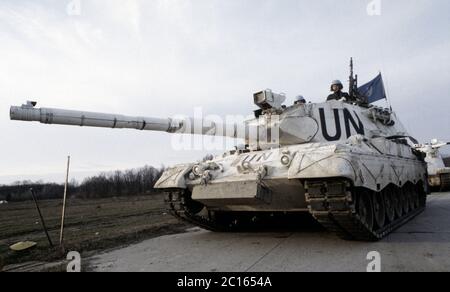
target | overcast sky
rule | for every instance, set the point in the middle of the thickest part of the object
(165, 57)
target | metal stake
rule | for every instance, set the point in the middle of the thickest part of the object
(42, 218)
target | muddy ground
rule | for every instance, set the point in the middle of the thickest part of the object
(91, 226)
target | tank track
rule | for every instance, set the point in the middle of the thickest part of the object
(178, 204)
(445, 182)
(333, 203)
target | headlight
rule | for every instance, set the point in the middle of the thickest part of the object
(285, 160)
(197, 170)
(246, 165)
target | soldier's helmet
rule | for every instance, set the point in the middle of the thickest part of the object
(336, 82)
(299, 99)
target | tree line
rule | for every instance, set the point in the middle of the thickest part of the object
(130, 182)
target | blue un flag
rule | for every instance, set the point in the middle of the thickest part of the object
(373, 91)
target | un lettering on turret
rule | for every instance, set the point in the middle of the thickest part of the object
(351, 121)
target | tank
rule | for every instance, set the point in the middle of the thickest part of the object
(353, 168)
(438, 173)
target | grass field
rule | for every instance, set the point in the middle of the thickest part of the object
(91, 225)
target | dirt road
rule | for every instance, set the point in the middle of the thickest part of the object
(421, 245)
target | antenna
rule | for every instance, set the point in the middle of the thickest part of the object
(353, 81)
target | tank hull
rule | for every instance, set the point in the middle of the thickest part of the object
(322, 179)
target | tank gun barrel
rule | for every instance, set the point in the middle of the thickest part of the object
(28, 112)
(440, 145)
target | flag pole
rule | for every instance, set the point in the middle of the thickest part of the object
(386, 91)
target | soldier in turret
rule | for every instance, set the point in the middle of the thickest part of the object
(336, 87)
(300, 100)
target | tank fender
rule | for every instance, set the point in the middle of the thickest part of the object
(320, 165)
(174, 177)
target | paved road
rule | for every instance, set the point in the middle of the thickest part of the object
(421, 245)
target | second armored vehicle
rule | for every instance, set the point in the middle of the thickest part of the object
(438, 173)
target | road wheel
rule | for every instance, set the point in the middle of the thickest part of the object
(379, 209)
(416, 197)
(411, 197)
(389, 203)
(405, 196)
(398, 202)
(365, 209)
